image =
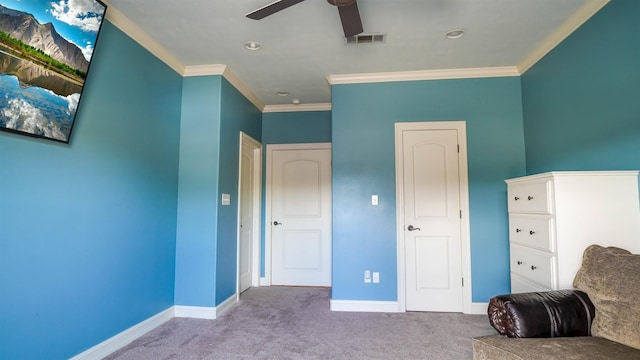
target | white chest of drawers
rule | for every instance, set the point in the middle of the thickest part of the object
(554, 216)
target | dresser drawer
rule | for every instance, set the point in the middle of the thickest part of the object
(530, 197)
(521, 285)
(533, 265)
(532, 230)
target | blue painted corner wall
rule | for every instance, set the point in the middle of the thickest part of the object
(581, 108)
(198, 192)
(237, 114)
(213, 114)
(87, 230)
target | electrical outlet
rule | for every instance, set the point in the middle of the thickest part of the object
(376, 277)
(367, 276)
(374, 200)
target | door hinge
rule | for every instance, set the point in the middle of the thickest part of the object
(460, 214)
(458, 148)
(462, 282)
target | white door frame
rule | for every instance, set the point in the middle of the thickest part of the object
(256, 209)
(460, 126)
(266, 281)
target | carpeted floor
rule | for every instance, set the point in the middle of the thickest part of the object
(295, 323)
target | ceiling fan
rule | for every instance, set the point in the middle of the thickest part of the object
(348, 10)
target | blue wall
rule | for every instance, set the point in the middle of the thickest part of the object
(364, 237)
(87, 230)
(296, 127)
(198, 192)
(213, 114)
(581, 104)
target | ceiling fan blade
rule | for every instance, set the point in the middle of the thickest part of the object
(350, 17)
(271, 9)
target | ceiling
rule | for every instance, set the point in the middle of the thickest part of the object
(304, 44)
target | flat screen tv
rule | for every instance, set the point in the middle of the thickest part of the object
(45, 52)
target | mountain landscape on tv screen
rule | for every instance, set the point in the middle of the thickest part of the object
(41, 75)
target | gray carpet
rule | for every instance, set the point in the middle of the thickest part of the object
(295, 323)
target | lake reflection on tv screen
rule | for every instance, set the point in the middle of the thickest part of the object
(36, 100)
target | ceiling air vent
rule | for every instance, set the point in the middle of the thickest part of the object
(366, 39)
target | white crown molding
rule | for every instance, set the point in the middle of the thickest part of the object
(132, 30)
(123, 23)
(204, 70)
(297, 108)
(119, 20)
(242, 88)
(220, 69)
(443, 74)
(584, 13)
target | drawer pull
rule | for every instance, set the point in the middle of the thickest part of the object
(533, 267)
(530, 197)
(520, 262)
(516, 198)
(518, 230)
(531, 232)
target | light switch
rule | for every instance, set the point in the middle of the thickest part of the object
(374, 200)
(226, 199)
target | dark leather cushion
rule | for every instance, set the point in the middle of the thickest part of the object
(542, 314)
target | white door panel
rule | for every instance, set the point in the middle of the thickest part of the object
(248, 212)
(301, 185)
(432, 208)
(246, 220)
(432, 275)
(300, 203)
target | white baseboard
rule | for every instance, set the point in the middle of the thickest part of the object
(364, 306)
(479, 308)
(120, 340)
(196, 312)
(226, 305)
(205, 312)
(264, 282)
(124, 338)
(388, 306)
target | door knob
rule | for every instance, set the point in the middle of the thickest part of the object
(277, 223)
(411, 228)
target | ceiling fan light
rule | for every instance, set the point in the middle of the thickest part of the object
(252, 45)
(455, 33)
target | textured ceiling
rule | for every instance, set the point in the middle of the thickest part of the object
(304, 44)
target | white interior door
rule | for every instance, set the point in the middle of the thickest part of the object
(248, 212)
(432, 227)
(300, 217)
